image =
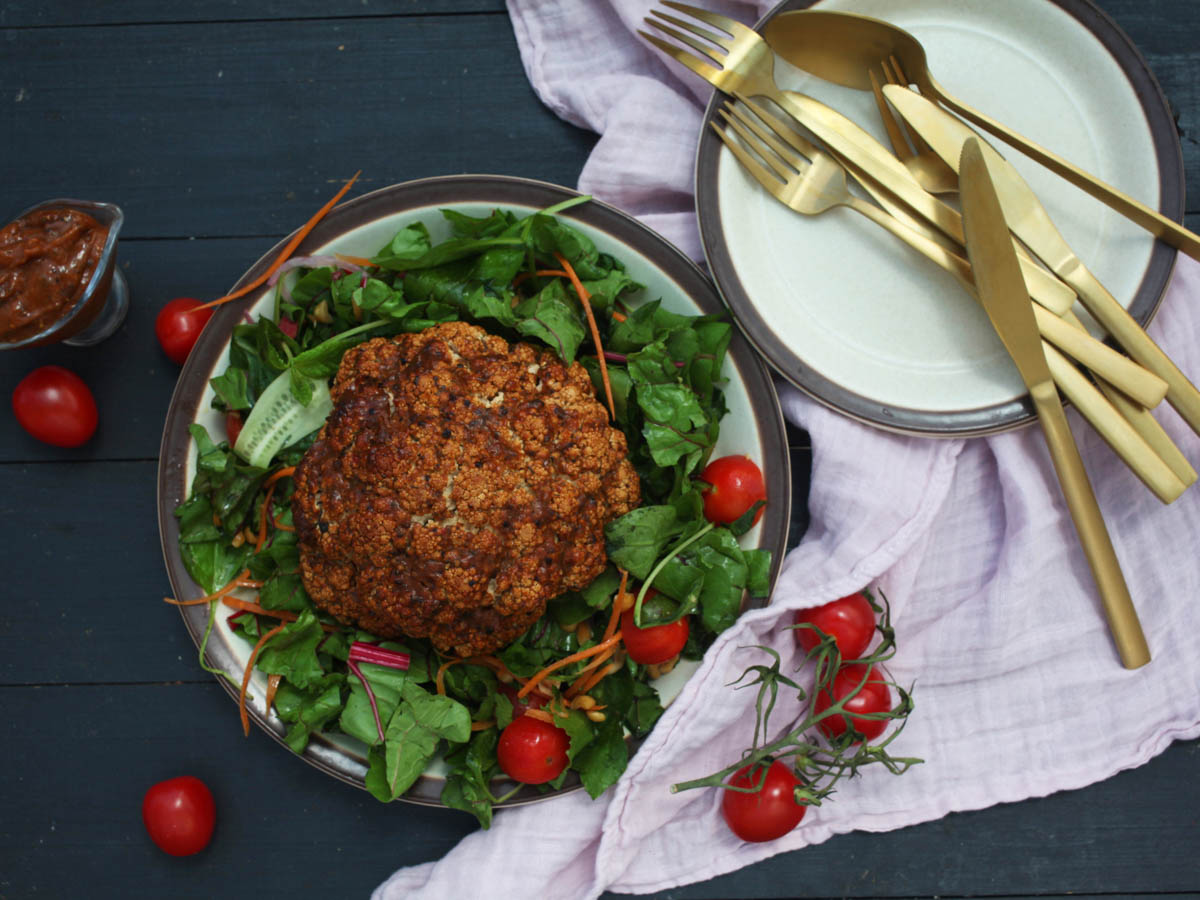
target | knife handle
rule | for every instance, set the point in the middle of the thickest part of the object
(1144, 423)
(1116, 430)
(1117, 321)
(1138, 382)
(1089, 525)
(1154, 222)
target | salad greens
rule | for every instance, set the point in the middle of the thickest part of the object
(502, 272)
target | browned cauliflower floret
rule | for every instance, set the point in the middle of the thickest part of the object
(458, 484)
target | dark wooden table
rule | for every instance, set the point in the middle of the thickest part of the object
(219, 127)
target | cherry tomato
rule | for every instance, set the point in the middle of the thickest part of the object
(233, 426)
(875, 697)
(55, 406)
(654, 644)
(178, 325)
(532, 750)
(179, 814)
(768, 814)
(850, 621)
(737, 484)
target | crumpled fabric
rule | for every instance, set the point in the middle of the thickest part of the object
(1018, 689)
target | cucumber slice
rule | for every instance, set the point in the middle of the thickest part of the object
(278, 419)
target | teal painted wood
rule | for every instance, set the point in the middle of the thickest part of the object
(219, 127)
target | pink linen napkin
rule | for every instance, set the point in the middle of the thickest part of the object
(995, 610)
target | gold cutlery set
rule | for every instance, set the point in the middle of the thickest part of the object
(1002, 247)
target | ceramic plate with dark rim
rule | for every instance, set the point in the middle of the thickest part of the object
(754, 424)
(869, 327)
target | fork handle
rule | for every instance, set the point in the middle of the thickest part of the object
(1155, 222)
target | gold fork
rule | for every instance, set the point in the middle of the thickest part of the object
(738, 60)
(918, 157)
(810, 181)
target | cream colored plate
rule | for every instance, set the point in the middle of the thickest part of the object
(853, 316)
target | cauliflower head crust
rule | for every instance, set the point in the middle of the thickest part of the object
(459, 483)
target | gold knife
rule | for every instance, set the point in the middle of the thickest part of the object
(1028, 220)
(1006, 300)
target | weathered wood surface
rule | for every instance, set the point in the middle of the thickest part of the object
(219, 127)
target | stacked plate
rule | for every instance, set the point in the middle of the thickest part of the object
(866, 325)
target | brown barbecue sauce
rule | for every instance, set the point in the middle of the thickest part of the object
(47, 258)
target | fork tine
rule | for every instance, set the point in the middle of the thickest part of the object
(708, 72)
(895, 135)
(752, 165)
(760, 148)
(730, 26)
(684, 38)
(723, 42)
(766, 136)
(781, 128)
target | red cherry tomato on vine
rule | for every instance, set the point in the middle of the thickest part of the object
(737, 484)
(55, 406)
(875, 697)
(655, 644)
(178, 324)
(768, 814)
(850, 621)
(179, 815)
(532, 751)
(233, 426)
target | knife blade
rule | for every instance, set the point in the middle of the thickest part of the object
(1006, 300)
(1027, 219)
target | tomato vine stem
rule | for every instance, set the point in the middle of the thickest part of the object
(819, 761)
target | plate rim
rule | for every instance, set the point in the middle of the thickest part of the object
(397, 199)
(901, 419)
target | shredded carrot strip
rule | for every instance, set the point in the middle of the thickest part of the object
(566, 661)
(262, 521)
(598, 675)
(249, 670)
(285, 472)
(354, 260)
(492, 662)
(247, 606)
(482, 726)
(541, 273)
(587, 309)
(287, 251)
(242, 579)
(272, 687)
(617, 607)
(540, 714)
(577, 686)
(440, 678)
(282, 614)
(193, 602)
